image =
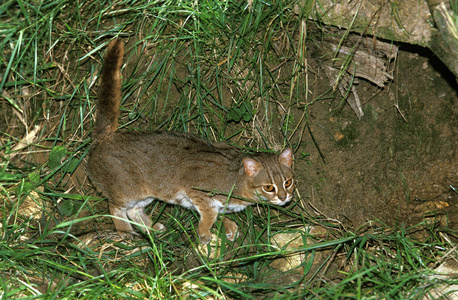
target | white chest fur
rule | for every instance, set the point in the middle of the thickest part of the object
(228, 207)
(183, 200)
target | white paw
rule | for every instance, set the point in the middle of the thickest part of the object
(231, 236)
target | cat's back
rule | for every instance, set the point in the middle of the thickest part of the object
(158, 147)
(163, 163)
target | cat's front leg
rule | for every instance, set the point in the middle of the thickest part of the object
(121, 222)
(231, 229)
(207, 219)
(208, 213)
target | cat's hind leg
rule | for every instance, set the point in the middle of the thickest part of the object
(137, 214)
(120, 220)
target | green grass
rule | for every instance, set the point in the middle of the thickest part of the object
(209, 67)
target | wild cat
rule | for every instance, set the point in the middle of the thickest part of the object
(134, 169)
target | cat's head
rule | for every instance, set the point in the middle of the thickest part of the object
(270, 177)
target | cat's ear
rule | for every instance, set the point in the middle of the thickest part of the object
(286, 157)
(251, 166)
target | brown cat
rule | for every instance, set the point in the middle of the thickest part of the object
(133, 169)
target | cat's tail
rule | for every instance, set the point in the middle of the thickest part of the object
(109, 97)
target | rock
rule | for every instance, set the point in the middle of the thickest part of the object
(295, 240)
(446, 271)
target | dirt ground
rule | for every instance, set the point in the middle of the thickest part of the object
(399, 163)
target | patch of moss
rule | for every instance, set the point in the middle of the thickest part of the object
(444, 113)
(420, 134)
(350, 133)
(370, 112)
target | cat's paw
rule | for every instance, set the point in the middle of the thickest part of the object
(205, 238)
(232, 235)
(231, 229)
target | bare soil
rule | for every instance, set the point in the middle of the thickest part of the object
(399, 163)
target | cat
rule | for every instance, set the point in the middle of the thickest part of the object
(132, 169)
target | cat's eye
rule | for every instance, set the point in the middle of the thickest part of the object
(288, 183)
(269, 188)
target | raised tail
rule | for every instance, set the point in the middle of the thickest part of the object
(109, 98)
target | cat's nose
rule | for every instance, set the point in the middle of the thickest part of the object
(282, 196)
